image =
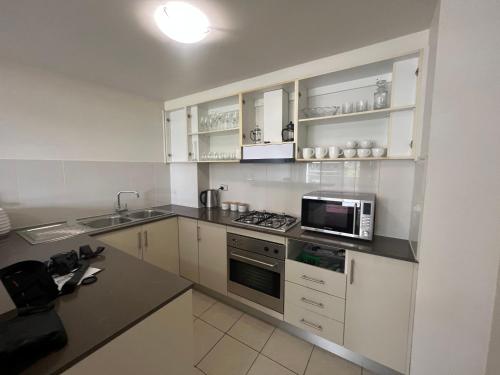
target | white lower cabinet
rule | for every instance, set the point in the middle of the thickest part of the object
(156, 243)
(378, 308)
(212, 255)
(188, 249)
(320, 325)
(203, 254)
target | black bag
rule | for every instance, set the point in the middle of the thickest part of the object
(29, 284)
(27, 338)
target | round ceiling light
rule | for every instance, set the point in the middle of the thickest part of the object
(182, 22)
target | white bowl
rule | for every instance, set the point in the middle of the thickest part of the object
(364, 152)
(242, 207)
(351, 144)
(234, 206)
(349, 152)
(365, 143)
(225, 205)
(378, 152)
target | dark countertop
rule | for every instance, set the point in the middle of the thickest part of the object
(383, 246)
(127, 291)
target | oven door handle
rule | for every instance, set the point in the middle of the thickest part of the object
(270, 265)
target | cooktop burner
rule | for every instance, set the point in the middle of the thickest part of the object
(268, 220)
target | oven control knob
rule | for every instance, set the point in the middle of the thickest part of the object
(266, 248)
(365, 233)
(276, 251)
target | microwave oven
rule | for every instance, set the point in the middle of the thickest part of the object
(343, 214)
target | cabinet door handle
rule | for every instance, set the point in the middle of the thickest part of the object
(351, 272)
(146, 243)
(312, 325)
(198, 233)
(139, 243)
(311, 302)
(308, 278)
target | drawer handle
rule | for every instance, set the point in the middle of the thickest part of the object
(310, 302)
(308, 278)
(312, 325)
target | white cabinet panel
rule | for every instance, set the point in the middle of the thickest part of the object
(400, 133)
(178, 135)
(321, 303)
(275, 114)
(188, 249)
(320, 325)
(212, 256)
(316, 278)
(404, 82)
(378, 304)
(161, 244)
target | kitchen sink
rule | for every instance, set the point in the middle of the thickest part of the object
(105, 222)
(145, 214)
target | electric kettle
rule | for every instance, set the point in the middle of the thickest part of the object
(210, 198)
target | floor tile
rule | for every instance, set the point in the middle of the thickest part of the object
(201, 303)
(229, 357)
(264, 366)
(197, 371)
(367, 372)
(252, 332)
(221, 316)
(288, 350)
(205, 337)
(322, 362)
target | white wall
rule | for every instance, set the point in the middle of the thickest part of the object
(67, 147)
(460, 239)
(279, 187)
(45, 116)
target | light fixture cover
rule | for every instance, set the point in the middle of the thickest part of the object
(182, 22)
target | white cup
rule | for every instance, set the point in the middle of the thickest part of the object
(365, 143)
(364, 152)
(349, 152)
(351, 144)
(378, 152)
(334, 152)
(234, 206)
(307, 153)
(320, 152)
(225, 205)
(361, 105)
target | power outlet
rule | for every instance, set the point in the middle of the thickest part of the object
(223, 187)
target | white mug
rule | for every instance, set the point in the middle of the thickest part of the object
(334, 152)
(361, 105)
(351, 144)
(350, 152)
(320, 152)
(365, 143)
(364, 152)
(378, 152)
(307, 153)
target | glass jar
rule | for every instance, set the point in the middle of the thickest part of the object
(381, 96)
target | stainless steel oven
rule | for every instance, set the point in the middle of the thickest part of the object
(344, 214)
(256, 270)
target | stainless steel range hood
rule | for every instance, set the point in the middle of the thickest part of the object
(268, 153)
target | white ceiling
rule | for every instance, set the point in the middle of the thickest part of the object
(115, 42)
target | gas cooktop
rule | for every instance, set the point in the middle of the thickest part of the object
(267, 220)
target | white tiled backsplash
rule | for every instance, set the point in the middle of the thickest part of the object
(41, 191)
(279, 187)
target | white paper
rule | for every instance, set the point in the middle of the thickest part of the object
(61, 280)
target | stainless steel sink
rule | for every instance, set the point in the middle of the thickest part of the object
(145, 214)
(105, 222)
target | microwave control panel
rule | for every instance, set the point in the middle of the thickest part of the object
(366, 220)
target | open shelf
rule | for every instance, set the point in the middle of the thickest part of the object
(223, 131)
(314, 160)
(220, 161)
(377, 113)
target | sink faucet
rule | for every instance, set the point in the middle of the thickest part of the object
(119, 205)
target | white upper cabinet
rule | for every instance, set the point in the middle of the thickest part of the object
(177, 124)
(338, 107)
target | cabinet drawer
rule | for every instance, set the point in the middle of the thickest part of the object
(321, 303)
(316, 278)
(318, 324)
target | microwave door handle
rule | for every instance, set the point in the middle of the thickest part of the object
(354, 219)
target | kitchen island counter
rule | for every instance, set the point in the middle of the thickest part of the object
(127, 292)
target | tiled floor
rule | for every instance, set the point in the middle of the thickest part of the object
(229, 342)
